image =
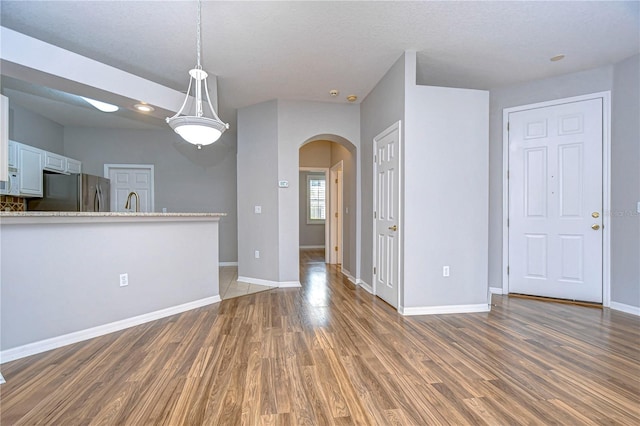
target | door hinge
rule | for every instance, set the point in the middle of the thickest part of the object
(336, 214)
(336, 248)
(507, 222)
(336, 180)
(375, 215)
(374, 270)
(507, 270)
(508, 174)
(375, 158)
(508, 125)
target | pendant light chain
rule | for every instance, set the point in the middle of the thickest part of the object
(199, 36)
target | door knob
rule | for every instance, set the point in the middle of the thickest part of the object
(595, 215)
(393, 228)
(595, 226)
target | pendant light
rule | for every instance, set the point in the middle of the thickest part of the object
(198, 129)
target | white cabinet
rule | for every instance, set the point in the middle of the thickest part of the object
(4, 138)
(73, 166)
(13, 154)
(30, 162)
(55, 162)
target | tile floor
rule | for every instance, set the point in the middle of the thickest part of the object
(230, 286)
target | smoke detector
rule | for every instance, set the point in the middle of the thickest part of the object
(334, 93)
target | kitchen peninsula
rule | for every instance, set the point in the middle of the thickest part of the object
(70, 276)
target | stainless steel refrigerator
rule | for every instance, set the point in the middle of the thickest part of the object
(73, 193)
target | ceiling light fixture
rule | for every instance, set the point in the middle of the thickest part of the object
(557, 58)
(143, 107)
(352, 98)
(102, 106)
(198, 129)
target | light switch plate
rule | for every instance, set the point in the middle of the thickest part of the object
(283, 183)
(638, 208)
(257, 209)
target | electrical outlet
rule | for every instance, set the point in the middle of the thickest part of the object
(445, 271)
(124, 280)
(257, 209)
(256, 254)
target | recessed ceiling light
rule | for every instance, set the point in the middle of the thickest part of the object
(102, 106)
(557, 58)
(144, 107)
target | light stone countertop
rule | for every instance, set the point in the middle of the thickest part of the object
(39, 217)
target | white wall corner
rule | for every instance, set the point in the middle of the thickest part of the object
(629, 309)
(448, 309)
(495, 290)
(350, 277)
(79, 336)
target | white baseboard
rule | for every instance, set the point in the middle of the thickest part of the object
(495, 290)
(629, 309)
(367, 287)
(269, 283)
(228, 263)
(448, 309)
(311, 247)
(78, 336)
(2, 380)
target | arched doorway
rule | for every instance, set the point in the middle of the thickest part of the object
(327, 184)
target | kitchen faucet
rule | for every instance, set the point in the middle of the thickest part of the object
(128, 203)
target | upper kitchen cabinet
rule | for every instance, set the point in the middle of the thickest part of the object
(30, 162)
(55, 162)
(73, 166)
(4, 138)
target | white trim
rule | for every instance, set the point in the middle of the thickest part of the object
(495, 290)
(335, 237)
(448, 309)
(228, 264)
(150, 167)
(269, 283)
(79, 336)
(324, 170)
(311, 247)
(367, 287)
(606, 185)
(397, 125)
(2, 380)
(629, 309)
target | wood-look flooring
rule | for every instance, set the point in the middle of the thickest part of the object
(330, 353)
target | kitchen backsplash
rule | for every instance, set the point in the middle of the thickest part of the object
(12, 204)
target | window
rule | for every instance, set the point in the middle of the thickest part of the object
(316, 199)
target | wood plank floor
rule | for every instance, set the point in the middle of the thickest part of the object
(333, 354)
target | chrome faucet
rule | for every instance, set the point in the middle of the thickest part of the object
(128, 203)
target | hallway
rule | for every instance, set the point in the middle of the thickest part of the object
(331, 353)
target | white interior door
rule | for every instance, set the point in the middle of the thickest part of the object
(555, 201)
(386, 214)
(127, 178)
(335, 192)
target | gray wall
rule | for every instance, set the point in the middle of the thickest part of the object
(581, 83)
(625, 183)
(50, 288)
(33, 129)
(382, 107)
(310, 234)
(258, 186)
(186, 179)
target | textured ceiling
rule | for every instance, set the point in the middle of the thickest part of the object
(301, 50)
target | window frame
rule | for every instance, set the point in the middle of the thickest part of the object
(312, 177)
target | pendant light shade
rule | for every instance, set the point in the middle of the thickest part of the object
(198, 129)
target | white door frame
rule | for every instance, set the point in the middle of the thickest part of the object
(336, 204)
(324, 170)
(108, 167)
(606, 185)
(397, 125)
